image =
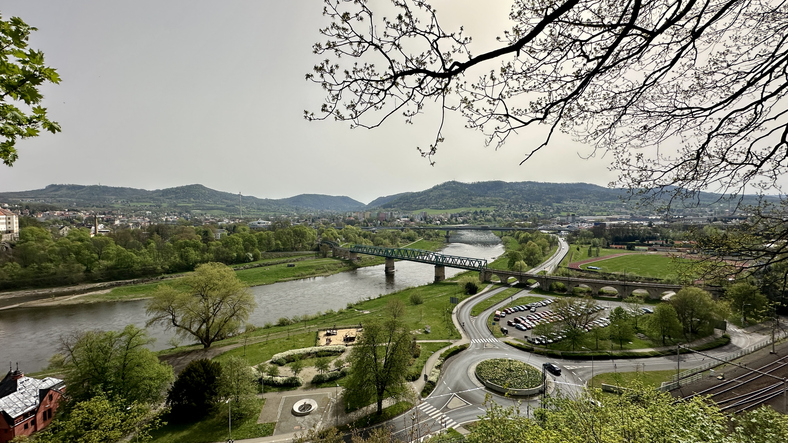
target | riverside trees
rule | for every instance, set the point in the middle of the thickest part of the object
(213, 305)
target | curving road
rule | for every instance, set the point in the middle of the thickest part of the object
(459, 397)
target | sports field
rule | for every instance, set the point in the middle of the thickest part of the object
(644, 265)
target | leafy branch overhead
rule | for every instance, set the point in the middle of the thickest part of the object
(678, 93)
(22, 72)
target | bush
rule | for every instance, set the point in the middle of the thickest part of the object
(282, 382)
(283, 358)
(416, 299)
(471, 288)
(196, 391)
(329, 376)
(284, 321)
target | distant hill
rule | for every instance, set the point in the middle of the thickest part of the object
(380, 201)
(455, 194)
(323, 202)
(194, 196)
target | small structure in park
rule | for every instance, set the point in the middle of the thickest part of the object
(27, 404)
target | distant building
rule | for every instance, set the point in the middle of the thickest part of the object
(259, 224)
(27, 404)
(9, 225)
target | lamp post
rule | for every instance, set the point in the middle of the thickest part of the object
(230, 419)
(336, 399)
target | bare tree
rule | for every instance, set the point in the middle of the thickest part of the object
(684, 96)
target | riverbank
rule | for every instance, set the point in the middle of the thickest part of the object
(263, 272)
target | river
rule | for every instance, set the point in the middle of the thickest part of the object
(30, 336)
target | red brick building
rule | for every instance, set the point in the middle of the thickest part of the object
(27, 404)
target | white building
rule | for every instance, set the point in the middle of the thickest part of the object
(9, 225)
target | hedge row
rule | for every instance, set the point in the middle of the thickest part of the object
(329, 376)
(282, 382)
(716, 343)
(283, 358)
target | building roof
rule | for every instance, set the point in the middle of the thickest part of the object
(20, 395)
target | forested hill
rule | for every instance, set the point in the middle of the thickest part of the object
(191, 196)
(499, 193)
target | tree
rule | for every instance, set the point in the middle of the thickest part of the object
(663, 323)
(379, 363)
(116, 364)
(633, 304)
(628, 77)
(297, 366)
(745, 299)
(237, 385)
(322, 364)
(22, 72)
(101, 419)
(620, 328)
(195, 392)
(695, 310)
(213, 305)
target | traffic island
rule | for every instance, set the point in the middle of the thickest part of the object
(510, 377)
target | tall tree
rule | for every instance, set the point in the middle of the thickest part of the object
(213, 305)
(117, 364)
(663, 323)
(379, 363)
(621, 328)
(746, 300)
(695, 309)
(196, 390)
(22, 72)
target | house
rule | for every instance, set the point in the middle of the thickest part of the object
(9, 225)
(27, 404)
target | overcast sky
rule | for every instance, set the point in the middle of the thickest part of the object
(157, 94)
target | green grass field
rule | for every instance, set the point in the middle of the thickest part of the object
(212, 429)
(580, 252)
(625, 379)
(644, 265)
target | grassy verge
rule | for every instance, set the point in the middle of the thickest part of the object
(580, 252)
(213, 429)
(373, 419)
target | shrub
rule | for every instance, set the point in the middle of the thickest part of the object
(416, 299)
(283, 382)
(471, 288)
(329, 376)
(509, 373)
(283, 358)
(283, 321)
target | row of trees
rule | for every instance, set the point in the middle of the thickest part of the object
(530, 250)
(42, 258)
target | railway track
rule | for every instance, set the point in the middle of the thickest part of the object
(748, 390)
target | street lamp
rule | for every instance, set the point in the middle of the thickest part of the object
(230, 419)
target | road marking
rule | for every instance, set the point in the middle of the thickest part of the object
(484, 340)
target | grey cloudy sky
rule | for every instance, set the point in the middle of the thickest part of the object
(157, 94)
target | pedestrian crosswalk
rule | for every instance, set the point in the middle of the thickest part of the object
(444, 421)
(485, 340)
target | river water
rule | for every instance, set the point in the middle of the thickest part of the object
(29, 336)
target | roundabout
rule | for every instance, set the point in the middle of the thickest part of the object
(510, 377)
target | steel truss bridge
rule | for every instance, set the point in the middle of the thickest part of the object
(422, 256)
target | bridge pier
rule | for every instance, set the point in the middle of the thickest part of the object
(440, 273)
(389, 268)
(353, 256)
(448, 235)
(485, 276)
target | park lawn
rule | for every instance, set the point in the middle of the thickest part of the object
(256, 353)
(494, 300)
(387, 414)
(626, 379)
(213, 429)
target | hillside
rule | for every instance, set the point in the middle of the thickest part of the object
(190, 197)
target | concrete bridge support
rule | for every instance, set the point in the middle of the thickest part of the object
(485, 276)
(353, 256)
(389, 268)
(440, 273)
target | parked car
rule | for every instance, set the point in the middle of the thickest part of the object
(553, 369)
